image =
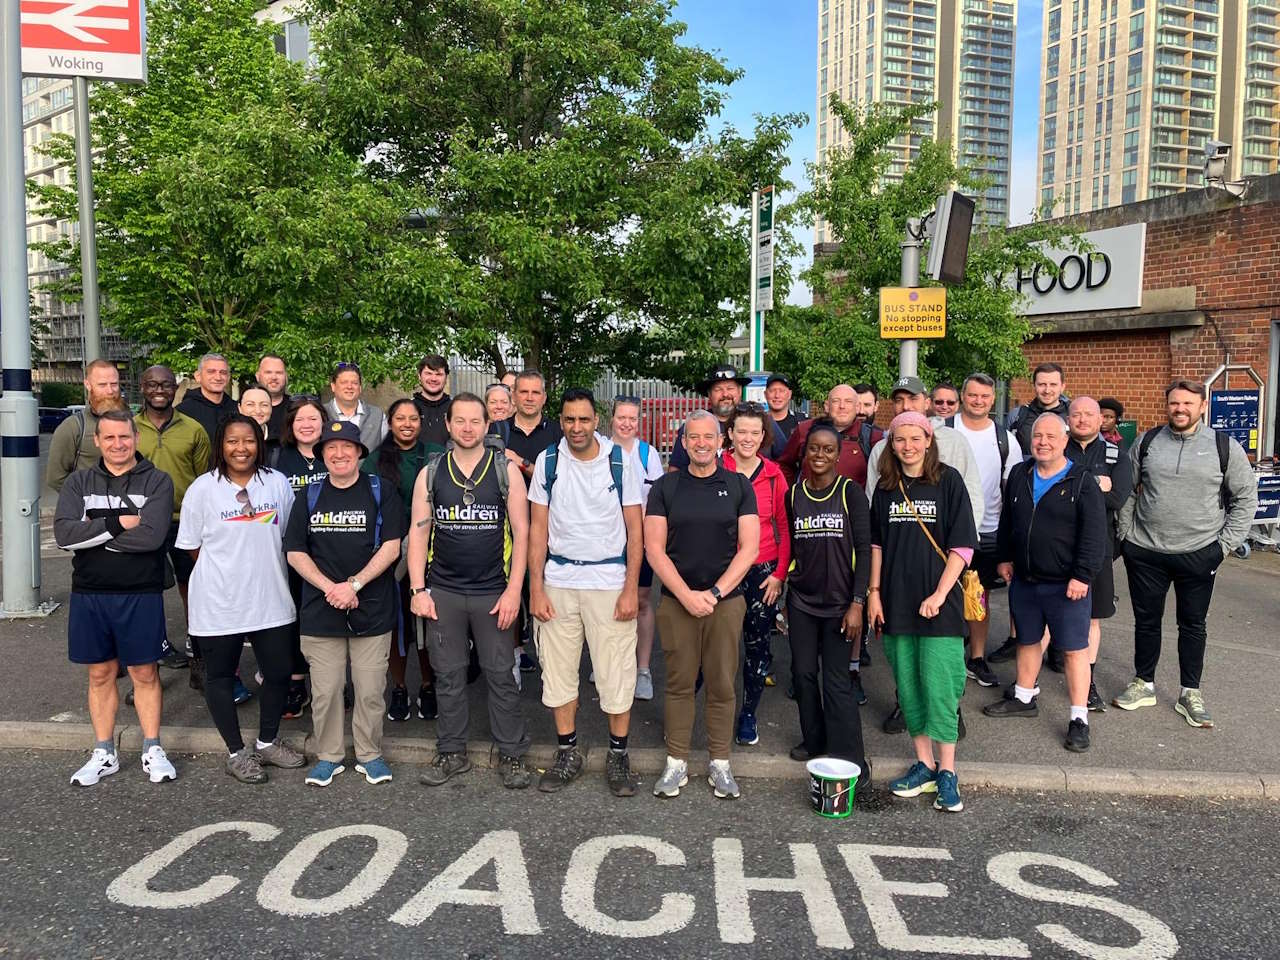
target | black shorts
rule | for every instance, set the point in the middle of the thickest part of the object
(181, 559)
(1103, 591)
(985, 561)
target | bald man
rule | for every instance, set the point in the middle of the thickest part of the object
(1111, 468)
(857, 437)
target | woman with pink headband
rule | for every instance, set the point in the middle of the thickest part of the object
(922, 538)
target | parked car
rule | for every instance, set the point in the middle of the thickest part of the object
(50, 417)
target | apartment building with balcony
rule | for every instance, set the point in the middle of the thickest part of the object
(958, 53)
(1134, 89)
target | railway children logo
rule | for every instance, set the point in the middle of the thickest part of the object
(339, 521)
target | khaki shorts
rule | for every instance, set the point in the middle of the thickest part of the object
(587, 614)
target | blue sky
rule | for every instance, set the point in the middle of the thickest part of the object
(776, 44)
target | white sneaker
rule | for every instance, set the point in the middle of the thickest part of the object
(675, 776)
(157, 765)
(720, 777)
(644, 685)
(101, 764)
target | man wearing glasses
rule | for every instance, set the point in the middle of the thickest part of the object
(177, 445)
(346, 406)
(944, 401)
(467, 547)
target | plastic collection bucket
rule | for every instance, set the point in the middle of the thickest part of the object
(831, 786)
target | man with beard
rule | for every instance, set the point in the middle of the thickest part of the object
(432, 400)
(71, 447)
(274, 378)
(178, 446)
(723, 390)
(1048, 382)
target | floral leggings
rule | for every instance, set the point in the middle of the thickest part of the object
(756, 627)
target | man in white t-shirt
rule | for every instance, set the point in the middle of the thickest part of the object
(996, 452)
(585, 545)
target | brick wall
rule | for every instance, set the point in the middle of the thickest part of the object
(1232, 258)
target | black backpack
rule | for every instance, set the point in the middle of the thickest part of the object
(1002, 442)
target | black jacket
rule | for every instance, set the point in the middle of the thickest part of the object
(1063, 537)
(1104, 459)
(207, 413)
(1022, 420)
(434, 428)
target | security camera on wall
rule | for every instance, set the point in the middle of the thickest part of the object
(949, 249)
(1216, 155)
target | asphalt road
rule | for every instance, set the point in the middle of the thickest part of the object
(206, 867)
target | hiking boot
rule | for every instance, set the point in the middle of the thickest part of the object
(515, 773)
(617, 774)
(1012, 707)
(427, 708)
(443, 766)
(1095, 703)
(244, 766)
(720, 777)
(976, 669)
(917, 780)
(1005, 652)
(195, 680)
(675, 776)
(564, 771)
(747, 734)
(948, 793)
(280, 754)
(1191, 707)
(1136, 694)
(895, 722)
(398, 710)
(1077, 736)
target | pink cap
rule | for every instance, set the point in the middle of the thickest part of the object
(909, 418)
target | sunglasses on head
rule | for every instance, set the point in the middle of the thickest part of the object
(624, 398)
(748, 406)
(346, 365)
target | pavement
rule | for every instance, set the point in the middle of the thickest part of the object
(205, 867)
(1147, 752)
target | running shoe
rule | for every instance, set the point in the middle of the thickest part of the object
(895, 722)
(295, 703)
(565, 770)
(175, 659)
(101, 763)
(1077, 736)
(1192, 709)
(747, 734)
(644, 684)
(948, 798)
(526, 663)
(675, 776)
(240, 693)
(157, 765)
(375, 771)
(398, 710)
(427, 708)
(1012, 707)
(1137, 694)
(720, 777)
(1005, 652)
(443, 766)
(1095, 703)
(322, 774)
(917, 780)
(859, 695)
(977, 670)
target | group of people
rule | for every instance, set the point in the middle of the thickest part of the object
(475, 531)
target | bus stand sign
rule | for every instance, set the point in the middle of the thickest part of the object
(913, 313)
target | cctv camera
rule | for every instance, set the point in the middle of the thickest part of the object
(1216, 150)
(1215, 160)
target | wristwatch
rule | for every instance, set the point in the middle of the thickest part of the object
(414, 591)
(356, 585)
(715, 592)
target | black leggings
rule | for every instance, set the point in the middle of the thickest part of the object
(273, 649)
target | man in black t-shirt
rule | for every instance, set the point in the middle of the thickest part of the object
(777, 394)
(343, 539)
(701, 536)
(531, 432)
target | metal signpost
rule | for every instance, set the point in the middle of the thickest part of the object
(99, 39)
(761, 270)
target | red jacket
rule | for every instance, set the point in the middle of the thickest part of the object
(770, 487)
(853, 460)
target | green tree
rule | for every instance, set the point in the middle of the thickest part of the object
(228, 222)
(837, 340)
(570, 152)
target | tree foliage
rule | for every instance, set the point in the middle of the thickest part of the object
(838, 339)
(568, 150)
(229, 222)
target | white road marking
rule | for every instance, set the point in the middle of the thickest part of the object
(578, 896)
(131, 887)
(513, 896)
(888, 923)
(276, 890)
(1157, 941)
(733, 888)
(65, 717)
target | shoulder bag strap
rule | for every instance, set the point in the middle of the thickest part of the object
(903, 491)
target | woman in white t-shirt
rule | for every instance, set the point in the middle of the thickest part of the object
(233, 521)
(647, 463)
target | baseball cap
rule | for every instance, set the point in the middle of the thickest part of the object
(781, 378)
(912, 385)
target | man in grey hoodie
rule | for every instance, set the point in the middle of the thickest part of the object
(1193, 501)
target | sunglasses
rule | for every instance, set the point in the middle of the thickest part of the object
(946, 403)
(247, 509)
(748, 407)
(468, 492)
(346, 365)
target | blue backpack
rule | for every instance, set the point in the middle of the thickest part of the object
(549, 481)
(375, 484)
